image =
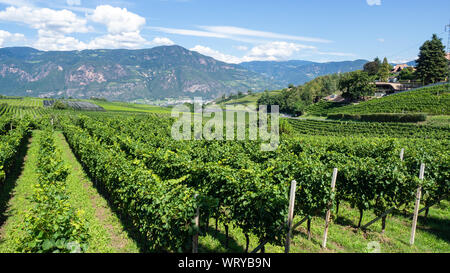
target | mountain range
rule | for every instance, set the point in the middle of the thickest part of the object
(300, 72)
(156, 73)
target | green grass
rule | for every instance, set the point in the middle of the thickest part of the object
(106, 232)
(432, 235)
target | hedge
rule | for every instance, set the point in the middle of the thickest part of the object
(380, 117)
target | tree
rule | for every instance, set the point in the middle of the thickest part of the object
(59, 105)
(384, 70)
(356, 85)
(432, 64)
(407, 74)
(373, 67)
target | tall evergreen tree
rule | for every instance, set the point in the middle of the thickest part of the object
(384, 71)
(432, 65)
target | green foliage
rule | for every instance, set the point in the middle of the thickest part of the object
(10, 143)
(373, 67)
(160, 211)
(432, 66)
(59, 105)
(407, 74)
(295, 99)
(356, 85)
(151, 180)
(431, 100)
(2, 107)
(240, 185)
(52, 225)
(384, 70)
(380, 117)
(369, 129)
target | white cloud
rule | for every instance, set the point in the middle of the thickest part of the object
(373, 2)
(58, 21)
(275, 51)
(241, 48)
(381, 40)
(340, 54)
(237, 31)
(403, 60)
(52, 25)
(6, 36)
(188, 32)
(216, 54)
(73, 2)
(117, 20)
(160, 41)
(123, 27)
(130, 40)
(55, 41)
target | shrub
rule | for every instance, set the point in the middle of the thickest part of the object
(380, 117)
(59, 105)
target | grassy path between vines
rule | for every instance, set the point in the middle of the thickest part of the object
(432, 235)
(106, 232)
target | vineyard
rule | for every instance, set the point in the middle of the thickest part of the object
(21, 107)
(370, 129)
(75, 105)
(239, 185)
(432, 100)
(158, 186)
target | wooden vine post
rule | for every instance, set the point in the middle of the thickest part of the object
(327, 217)
(291, 215)
(402, 153)
(195, 237)
(416, 207)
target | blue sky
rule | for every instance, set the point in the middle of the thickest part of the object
(230, 30)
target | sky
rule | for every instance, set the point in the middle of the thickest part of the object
(233, 31)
